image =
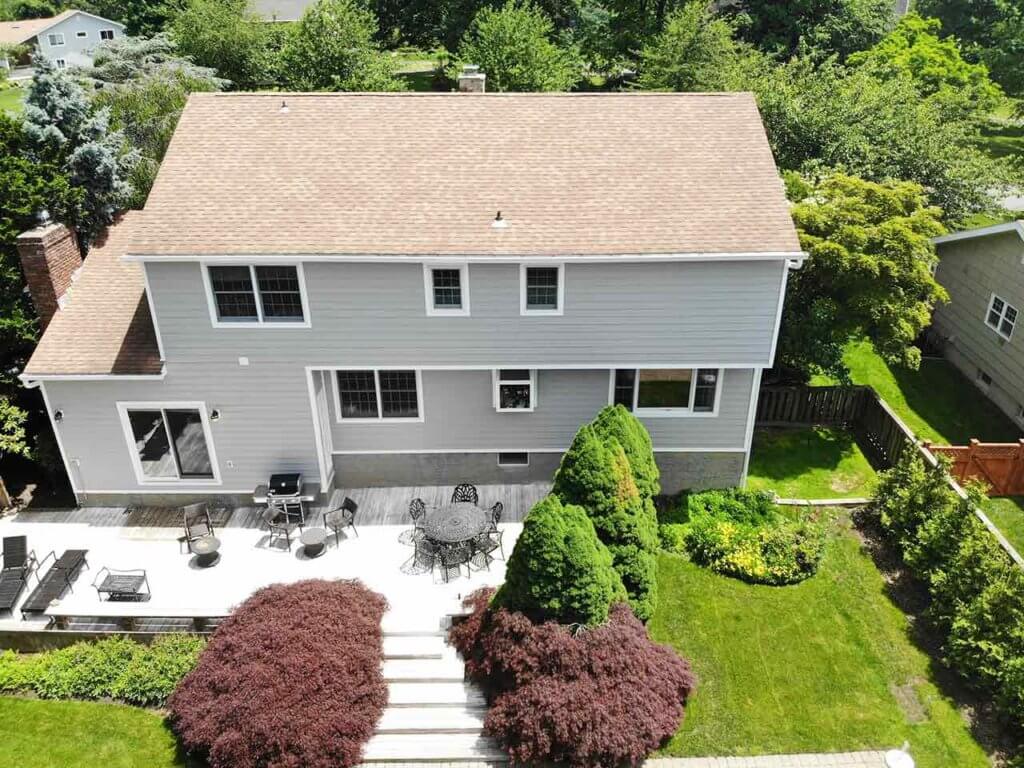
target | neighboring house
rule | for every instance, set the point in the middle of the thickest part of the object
(981, 326)
(280, 10)
(323, 283)
(66, 39)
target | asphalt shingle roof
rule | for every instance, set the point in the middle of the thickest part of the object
(426, 173)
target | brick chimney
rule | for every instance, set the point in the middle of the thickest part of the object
(471, 79)
(49, 257)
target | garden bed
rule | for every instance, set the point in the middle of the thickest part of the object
(821, 666)
(809, 463)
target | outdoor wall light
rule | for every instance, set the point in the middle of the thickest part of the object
(58, 416)
(215, 414)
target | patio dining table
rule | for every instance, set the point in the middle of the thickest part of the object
(454, 523)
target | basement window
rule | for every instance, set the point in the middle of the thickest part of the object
(513, 459)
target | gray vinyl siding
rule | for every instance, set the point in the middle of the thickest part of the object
(265, 424)
(373, 314)
(459, 415)
(971, 271)
(76, 51)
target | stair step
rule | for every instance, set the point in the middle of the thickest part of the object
(414, 647)
(432, 720)
(431, 748)
(423, 670)
(450, 694)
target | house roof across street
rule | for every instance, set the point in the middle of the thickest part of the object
(18, 32)
(426, 174)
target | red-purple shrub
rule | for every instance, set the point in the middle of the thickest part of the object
(603, 697)
(293, 678)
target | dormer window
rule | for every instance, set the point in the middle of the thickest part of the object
(446, 288)
(257, 295)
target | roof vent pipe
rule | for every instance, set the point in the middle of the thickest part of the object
(471, 79)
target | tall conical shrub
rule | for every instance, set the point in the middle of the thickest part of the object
(596, 475)
(614, 421)
(559, 569)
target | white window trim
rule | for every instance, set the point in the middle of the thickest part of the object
(1002, 316)
(380, 418)
(259, 322)
(514, 466)
(561, 290)
(49, 41)
(82, 34)
(533, 391)
(113, 34)
(133, 453)
(428, 290)
(669, 413)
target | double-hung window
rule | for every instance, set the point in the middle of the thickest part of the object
(447, 289)
(379, 395)
(257, 295)
(55, 39)
(106, 34)
(1001, 317)
(667, 391)
(169, 442)
(541, 290)
(515, 389)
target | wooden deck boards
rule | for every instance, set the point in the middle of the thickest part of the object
(377, 506)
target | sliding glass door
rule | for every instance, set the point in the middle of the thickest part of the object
(170, 443)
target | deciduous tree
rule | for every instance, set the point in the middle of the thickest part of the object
(332, 48)
(868, 272)
(516, 48)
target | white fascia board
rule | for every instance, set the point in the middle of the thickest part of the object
(969, 234)
(795, 256)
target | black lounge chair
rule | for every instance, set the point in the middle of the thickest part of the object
(17, 564)
(56, 581)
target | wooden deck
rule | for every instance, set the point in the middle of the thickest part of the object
(377, 506)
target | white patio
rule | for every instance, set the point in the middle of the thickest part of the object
(152, 539)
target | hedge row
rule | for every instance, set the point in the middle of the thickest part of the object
(743, 534)
(112, 668)
(606, 696)
(976, 591)
(292, 678)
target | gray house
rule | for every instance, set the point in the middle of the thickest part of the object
(418, 289)
(983, 271)
(66, 39)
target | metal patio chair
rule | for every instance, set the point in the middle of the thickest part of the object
(279, 525)
(342, 517)
(418, 513)
(198, 524)
(465, 492)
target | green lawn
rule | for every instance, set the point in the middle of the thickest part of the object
(1003, 138)
(79, 734)
(1008, 515)
(937, 402)
(12, 99)
(811, 463)
(820, 666)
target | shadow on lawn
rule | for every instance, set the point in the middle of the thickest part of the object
(996, 736)
(944, 398)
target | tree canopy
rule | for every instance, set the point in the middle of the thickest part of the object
(140, 17)
(332, 48)
(514, 45)
(868, 272)
(834, 26)
(695, 51)
(936, 66)
(223, 35)
(144, 84)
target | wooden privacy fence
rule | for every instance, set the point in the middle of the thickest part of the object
(884, 437)
(999, 465)
(879, 432)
